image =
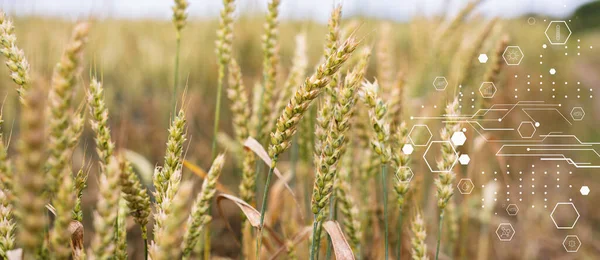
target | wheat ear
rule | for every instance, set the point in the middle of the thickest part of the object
(199, 216)
(172, 216)
(121, 232)
(16, 61)
(138, 201)
(30, 176)
(270, 47)
(60, 236)
(419, 248)
(165, 182)
(444, 182)
(7, 226)
(59, 105)
(107, 207)
(99, 122)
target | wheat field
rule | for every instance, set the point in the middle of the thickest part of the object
(254, 137)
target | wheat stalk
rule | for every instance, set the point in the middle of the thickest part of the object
(121, 232)
(200, 217)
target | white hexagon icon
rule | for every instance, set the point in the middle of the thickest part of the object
(440, 83)
(585, 190)
(407, 149)
(565, 215)
(417, 130)
(464, 159)
(433, 165)
(465, 186)
(526, 129)
(404, 173)
(505, 232)
(572, 243)
(512, 209)
(558, 32)
(487, 89)
(577, 113)
(483, 58)
(458, 138)
(513, 55)
(552, 71)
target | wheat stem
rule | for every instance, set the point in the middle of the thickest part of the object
(385, 207)
(263, 207)
(439, 235)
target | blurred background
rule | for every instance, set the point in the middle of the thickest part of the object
(131, 46)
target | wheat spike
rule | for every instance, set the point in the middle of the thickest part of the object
(80, 185)
(59, 105)
(301, 100)
(169, 234)
(444, 182)
(270, 45)
(99, 122)
(107, 207)
(199, 216)
(138, 201)
(165, 182)
(419, 248)
(30, 176)
(16, 61)
(121, 232)
(7, 226)
(60, 236)
(180, 14)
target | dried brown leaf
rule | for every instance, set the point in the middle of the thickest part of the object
(202, 174)
(341, 248)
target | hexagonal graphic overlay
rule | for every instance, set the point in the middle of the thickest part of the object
(512, 209)
(433, 154)
(465, 186)
(440, 83)
(458, 138)
(487, 89)
(552, 71)
(558, 32)
(464, 159)
(577, 113)
(407, 149)
(420, 135)
(526, 129)
(405, 170)
(505, 232)
(564, 215)
(513, 55)
(585, 190)
(572, 243)
(483, 58)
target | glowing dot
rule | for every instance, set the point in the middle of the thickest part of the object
(546, 46)
(537, 124)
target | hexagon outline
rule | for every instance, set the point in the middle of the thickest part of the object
(493, 85)
(578, 246)
(445, 85)
(513, 214)
(427, 162)
(428, 140)
(412, 174)
(582, 111)
(565, 203)
(508, 63)
(532, 125)
(462, 181)
(558, 43)
(460, 159)
(511, 236)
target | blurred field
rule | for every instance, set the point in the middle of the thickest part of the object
(135, 61)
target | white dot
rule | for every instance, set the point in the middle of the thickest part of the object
(545, 46)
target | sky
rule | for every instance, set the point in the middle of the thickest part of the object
(399, 10)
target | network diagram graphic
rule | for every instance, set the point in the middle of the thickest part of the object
(523, 128)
